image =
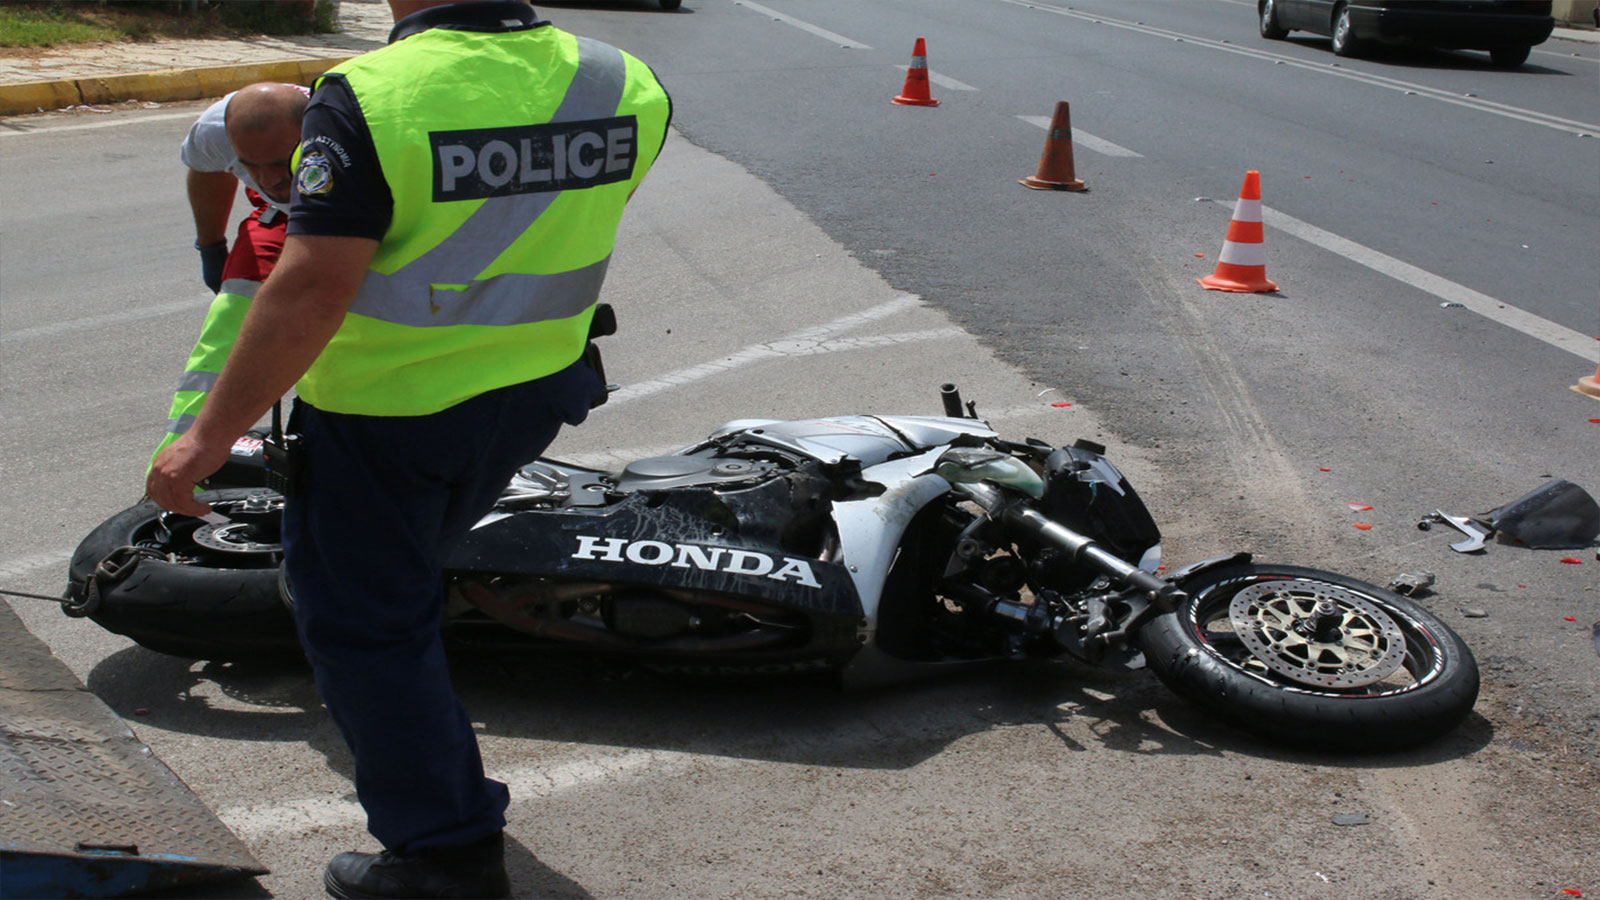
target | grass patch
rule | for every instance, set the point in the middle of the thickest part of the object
(48, 23)
(34, 27)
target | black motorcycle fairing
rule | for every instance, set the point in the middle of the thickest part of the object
(691, 539)
(1086, 493)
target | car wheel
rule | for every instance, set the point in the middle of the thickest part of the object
(1270, 29)
(1509, 57)
(1345, 42)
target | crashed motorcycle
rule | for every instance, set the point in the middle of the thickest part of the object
(867, 546)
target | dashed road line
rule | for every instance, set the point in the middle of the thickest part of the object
(1556, 335)
(945, 81)
(300, 816)
(808, 342)
(103, 321)
(1533, 117)
(807, 27)
(12, 129)
(1098, 145)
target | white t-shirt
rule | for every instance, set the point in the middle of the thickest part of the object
(207, 149)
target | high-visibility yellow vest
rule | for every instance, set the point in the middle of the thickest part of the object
(510, 157)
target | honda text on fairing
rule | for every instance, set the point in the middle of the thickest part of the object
(868, 546)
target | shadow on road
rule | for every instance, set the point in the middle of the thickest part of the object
(789, 720)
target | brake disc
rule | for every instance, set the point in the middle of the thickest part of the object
(1364, 647)
(233, 537)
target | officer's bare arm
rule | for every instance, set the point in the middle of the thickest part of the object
(211, 200)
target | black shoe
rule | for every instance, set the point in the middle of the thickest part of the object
(472, 872)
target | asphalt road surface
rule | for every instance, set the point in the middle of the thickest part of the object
(1431, 222)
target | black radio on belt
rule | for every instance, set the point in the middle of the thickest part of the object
(281, 456)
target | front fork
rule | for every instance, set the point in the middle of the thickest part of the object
(1113, 617)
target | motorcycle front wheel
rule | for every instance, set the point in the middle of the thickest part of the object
(1313, 659)
(182, 586)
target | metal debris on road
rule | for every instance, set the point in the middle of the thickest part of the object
(1477, 532)
(1351, 819)
(1412, 584)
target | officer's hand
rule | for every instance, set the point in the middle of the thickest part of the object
(178, 468)
(212, 259)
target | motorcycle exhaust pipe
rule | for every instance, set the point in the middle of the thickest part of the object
(952, 401)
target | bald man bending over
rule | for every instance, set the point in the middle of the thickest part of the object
(246, 137)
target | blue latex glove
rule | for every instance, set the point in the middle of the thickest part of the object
(212, 259)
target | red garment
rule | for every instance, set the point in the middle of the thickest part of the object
(257, 247)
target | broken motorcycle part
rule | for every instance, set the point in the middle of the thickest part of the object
(1477, 533)
(1557, 515)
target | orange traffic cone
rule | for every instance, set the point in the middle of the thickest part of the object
(915, 93)
(1242, 267)
(1055, 163)
(1589, 385)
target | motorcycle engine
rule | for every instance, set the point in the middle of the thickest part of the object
(648, 617)
(613, 617)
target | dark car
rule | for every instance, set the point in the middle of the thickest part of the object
(1508, 29)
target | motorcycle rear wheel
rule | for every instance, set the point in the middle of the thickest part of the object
(195, 592)
(1380, 674)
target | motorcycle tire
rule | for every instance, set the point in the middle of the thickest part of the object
(1382, 674)
(214, 598)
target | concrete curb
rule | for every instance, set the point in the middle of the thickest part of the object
(1584, 35)
(159, 85)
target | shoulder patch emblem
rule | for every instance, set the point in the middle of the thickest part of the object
(315, 176)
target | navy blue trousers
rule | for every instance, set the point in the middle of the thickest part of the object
(365, 540)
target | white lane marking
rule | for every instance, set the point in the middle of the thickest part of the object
(103, 321)
(13, 129)
(1567, 55)
(291, 817)
(839, 39)
(1098, 145)
(1337, 69)
(803, 342)
(1556, 335)
(946, 81)
(786, 348)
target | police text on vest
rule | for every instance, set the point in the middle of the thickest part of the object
(496, 162)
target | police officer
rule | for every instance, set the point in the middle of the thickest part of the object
(457, 197)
